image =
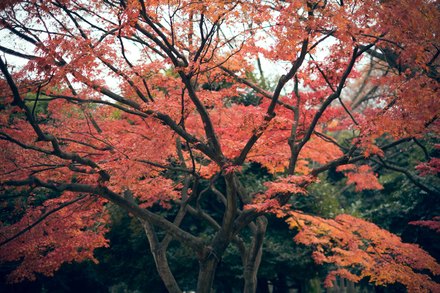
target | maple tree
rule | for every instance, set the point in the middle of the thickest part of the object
(141, 103)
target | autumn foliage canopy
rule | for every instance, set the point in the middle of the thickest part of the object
(143, 104)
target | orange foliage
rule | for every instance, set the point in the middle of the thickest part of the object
(143, 96)
(433, 224)
(70, 234)
(360, 249)
(361, 176)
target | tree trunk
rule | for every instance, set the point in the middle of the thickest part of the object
(211, 258)
(165, 273)
(250, 281)
(253, 257)
(206, 274)
(160, 259)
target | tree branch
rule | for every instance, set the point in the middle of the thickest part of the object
(181, 235)
(41, 219)
(270, 113)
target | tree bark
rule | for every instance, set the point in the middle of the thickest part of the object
(164, 271)
(253, 257)
(212, 255)
(207, 271)
(160, 259)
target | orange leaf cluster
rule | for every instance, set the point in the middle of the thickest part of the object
(68, 235)
(433, 224)
(361, 176)
(360, 249)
